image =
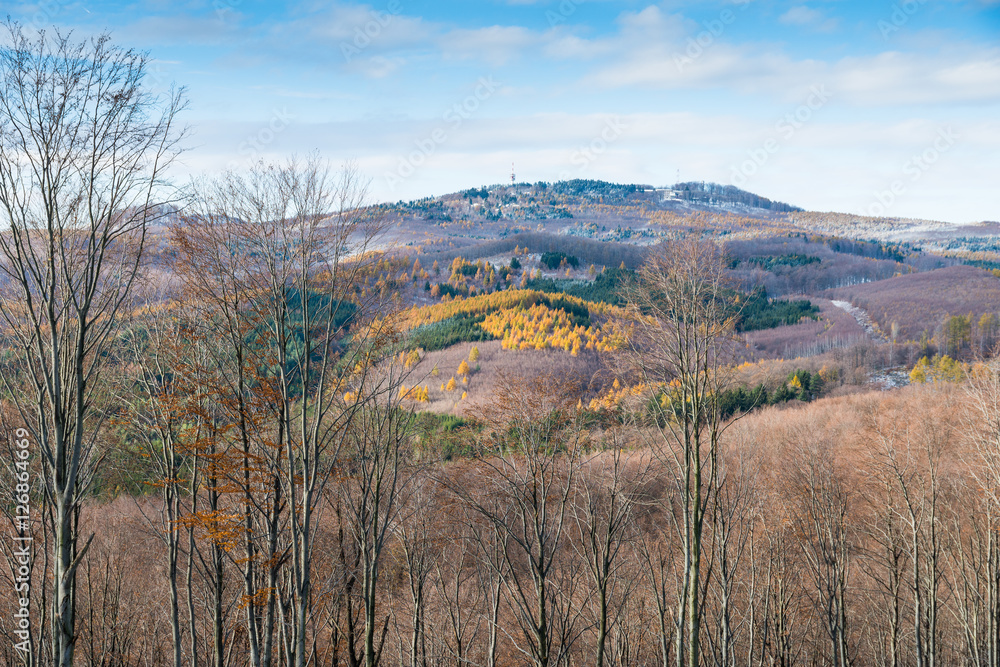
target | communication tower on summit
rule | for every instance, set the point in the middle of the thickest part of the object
(512, 173)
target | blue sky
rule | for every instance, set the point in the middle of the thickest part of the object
(882, 107)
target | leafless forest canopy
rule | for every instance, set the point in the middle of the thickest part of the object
(231, 452)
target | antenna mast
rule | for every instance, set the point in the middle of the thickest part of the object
(512, 173)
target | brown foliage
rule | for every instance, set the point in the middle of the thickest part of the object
(820, 509)
(919, 302)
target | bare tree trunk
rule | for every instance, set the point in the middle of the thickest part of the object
(534, 436)
(416, 539)
(885, 565)
(490, 574)
(826, 544)
(375, 453)
(603, 515)
(462, 602)
(982, 423)
(160, 419)
(735, 512)
(682, 341)
(657, 560)
(82, 150)
(914, 467)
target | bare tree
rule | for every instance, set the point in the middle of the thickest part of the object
(913, 461)
(975, 564)
(418, 540)
(656, 557)
(375, 468)
(884, 561)
(464, 586)
(733, 520)
(682, 341)
(982, 423)
(602, 511)
(827, 540)
(778, 616)
(533, 447)
(83, 149)
(278, 258)
(162, 422)
(491, 571)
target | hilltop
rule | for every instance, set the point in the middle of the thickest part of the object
(643, 214)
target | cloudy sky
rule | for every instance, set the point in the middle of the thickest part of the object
(878, 106)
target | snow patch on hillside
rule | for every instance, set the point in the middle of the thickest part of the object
(862, 319)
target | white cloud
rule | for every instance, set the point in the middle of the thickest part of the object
(651, 23)
(573, 47)
(894, 78)
(495, 44)
(804, 16)
(890, 78)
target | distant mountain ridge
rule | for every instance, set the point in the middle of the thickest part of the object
(642, 213)
(700, 193)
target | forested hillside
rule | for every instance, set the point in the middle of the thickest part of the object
(256, 420)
